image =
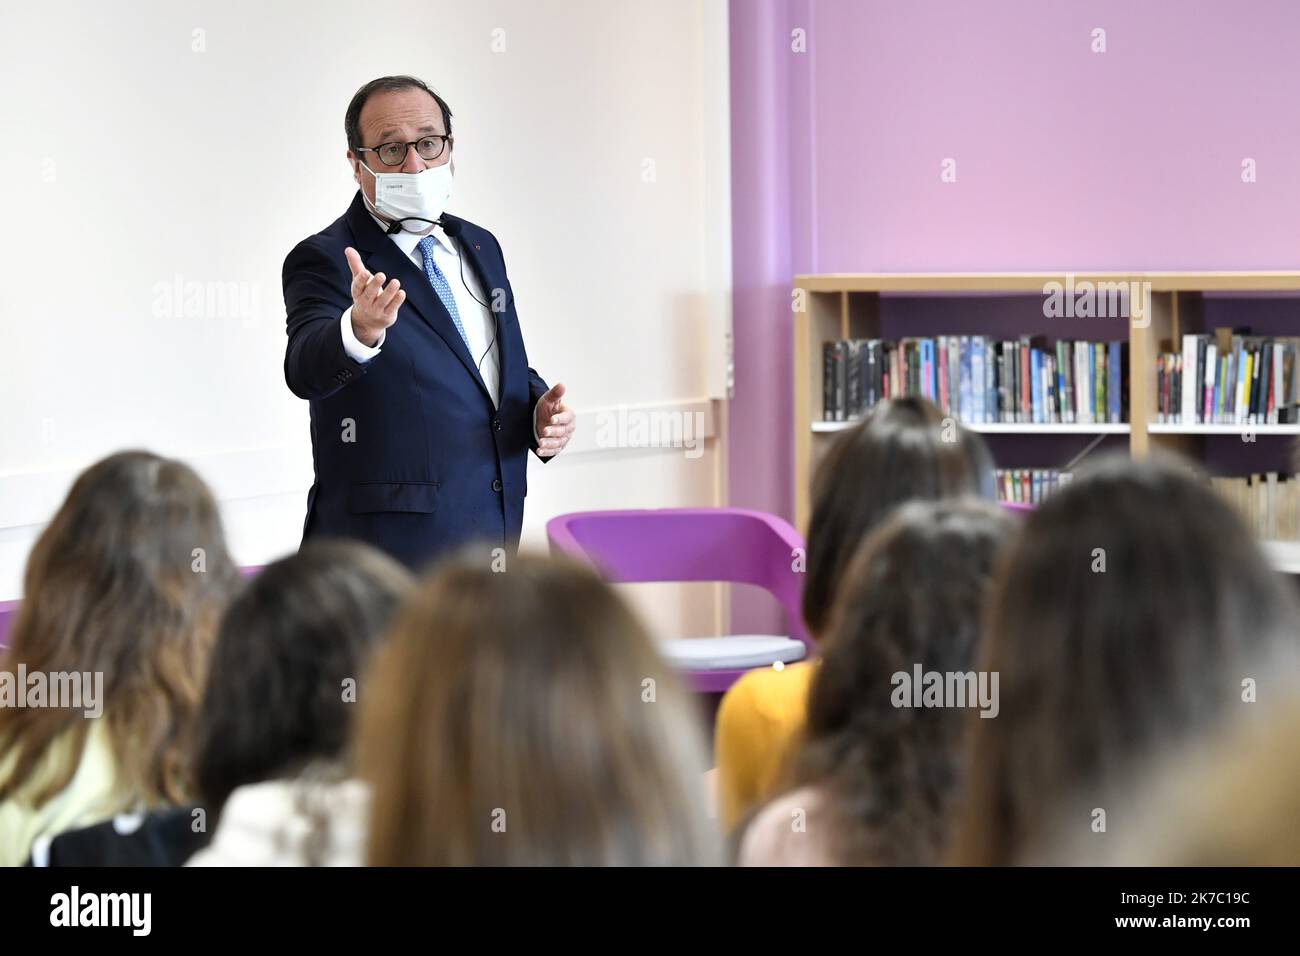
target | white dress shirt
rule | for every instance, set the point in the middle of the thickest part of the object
(471, 303)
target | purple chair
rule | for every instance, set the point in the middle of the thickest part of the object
(698, 544)
(8, 612)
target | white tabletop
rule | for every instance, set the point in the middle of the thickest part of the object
(1285, 555)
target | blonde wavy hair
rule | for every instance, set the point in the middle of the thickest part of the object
(525, 718)
(128, 580)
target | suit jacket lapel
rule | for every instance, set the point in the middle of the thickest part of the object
(380, 254)
(488, 282)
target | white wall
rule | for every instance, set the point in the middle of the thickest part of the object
(156, 145)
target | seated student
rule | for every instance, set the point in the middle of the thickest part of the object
(524, 718)
(123, 591)
(276, 704)
(904, 450)
(875, 778)
(1123, 623)
(278, 708)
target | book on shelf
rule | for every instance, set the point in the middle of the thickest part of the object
(833, 398)
(1029, 486)
(979, 379)
(1229, 378)
(1269, 503)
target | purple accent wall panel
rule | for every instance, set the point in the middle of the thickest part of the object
(1065, 158)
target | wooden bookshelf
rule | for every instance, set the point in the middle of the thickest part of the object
(849, 305)
(1160, 429)
(1002, 428)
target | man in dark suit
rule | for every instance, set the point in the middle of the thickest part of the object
(421, 428)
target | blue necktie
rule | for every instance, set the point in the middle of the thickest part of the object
(441, 286)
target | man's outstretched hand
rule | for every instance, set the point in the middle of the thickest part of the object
(554, 421)
(374, 305)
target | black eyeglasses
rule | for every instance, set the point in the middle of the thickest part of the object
(394, 154)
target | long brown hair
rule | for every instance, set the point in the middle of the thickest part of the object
(913, 595)
(524, 718)
(905, 450)
(128, 581)
(1122, 625)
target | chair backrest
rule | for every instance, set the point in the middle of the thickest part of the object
(690, 544)
(8, 612)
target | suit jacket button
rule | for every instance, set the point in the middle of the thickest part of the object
(496, 484)
(496, 423)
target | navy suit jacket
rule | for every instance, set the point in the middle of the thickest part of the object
(409, 453)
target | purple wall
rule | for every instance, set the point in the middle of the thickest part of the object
(1066, 159)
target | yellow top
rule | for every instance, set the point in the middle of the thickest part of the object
(758, 720)
(91, 796)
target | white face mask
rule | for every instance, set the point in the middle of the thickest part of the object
(415, 200)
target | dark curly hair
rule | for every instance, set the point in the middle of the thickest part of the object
(914, 594)
(274, 704)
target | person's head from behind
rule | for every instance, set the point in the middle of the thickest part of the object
(286, 669)
(524, 718)
(911, 600)
(1123, 624)
(125, 585)
(906, 449)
